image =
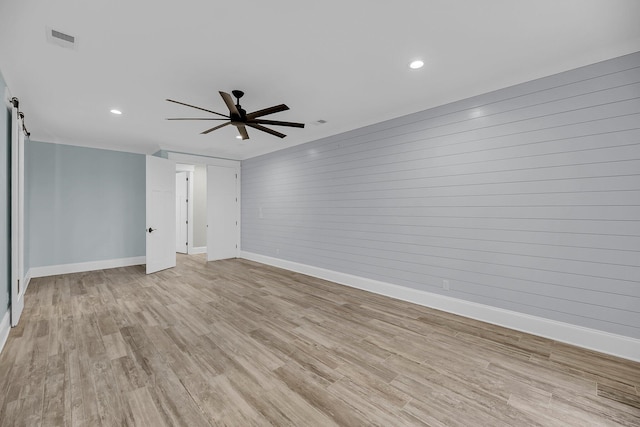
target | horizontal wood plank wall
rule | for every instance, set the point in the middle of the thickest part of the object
(526, 199)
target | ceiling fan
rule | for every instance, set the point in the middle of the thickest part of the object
(241, 119)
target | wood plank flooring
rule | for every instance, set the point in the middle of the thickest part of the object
(241, 344)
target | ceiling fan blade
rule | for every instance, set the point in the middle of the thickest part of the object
(277, 123)
(243, 132)
(212, 129)
(267, 130)
(266, 111)
(196, 118)
(229, 101)
(199, 108)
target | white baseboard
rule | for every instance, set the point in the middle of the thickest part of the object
(604, 342)
(53, 270)
(198, 250)
(5, 327)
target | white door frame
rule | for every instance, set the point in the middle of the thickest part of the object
(182, 226)
(18, 285)
(189, 169)
(190, 213)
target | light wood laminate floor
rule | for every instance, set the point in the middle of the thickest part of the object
(238, 343)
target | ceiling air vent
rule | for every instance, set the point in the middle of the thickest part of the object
(61, 39)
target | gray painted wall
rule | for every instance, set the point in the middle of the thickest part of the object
(5, 204)
(527, 199)
(83, 204)
(200, 206)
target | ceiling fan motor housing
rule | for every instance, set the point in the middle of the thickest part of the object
(240, 119)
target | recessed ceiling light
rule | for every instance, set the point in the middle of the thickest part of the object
(238, 136)
(416, 64)
(114, 111)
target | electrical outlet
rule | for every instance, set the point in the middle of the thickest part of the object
(445, 284)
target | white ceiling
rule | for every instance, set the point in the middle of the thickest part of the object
(340, 61)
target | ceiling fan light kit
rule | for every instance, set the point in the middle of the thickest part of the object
(239, 118)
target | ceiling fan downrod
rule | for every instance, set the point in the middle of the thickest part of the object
(238, 94)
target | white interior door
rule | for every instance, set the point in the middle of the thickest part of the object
(182, 213)
(161, 211)
(17, 218)
(222, 213)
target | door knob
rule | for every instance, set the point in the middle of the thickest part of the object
(151, 230)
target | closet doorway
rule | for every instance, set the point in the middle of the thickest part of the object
(210, 210)
(191, 208)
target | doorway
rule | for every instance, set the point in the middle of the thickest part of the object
(191, 209)
(213, 208)
(182, 212)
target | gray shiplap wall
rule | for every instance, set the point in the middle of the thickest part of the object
(527, 199)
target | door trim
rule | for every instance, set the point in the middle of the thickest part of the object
(18, 285)
(188, 201)
(190, 169)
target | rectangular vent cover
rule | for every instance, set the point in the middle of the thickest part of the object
(62, 36)
(61, 39)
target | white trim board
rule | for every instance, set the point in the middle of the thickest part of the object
(54, 270)
(184, 168)
(5, 327)
(604, 342)
(194, 159)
